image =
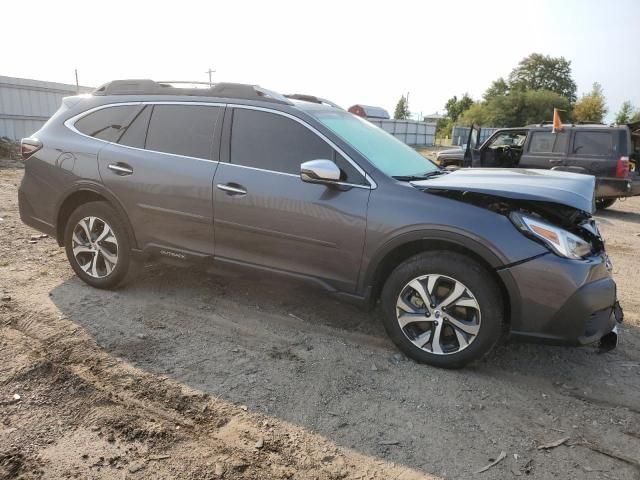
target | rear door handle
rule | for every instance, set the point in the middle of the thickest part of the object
(555, 161)
(232, 189)
(120, 168)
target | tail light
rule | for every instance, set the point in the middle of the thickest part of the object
(622, 167)
(29, 146)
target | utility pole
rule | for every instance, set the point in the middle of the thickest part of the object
(210, 72)
(408, 111)
(77, 84)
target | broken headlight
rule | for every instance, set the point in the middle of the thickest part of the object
(558, 240)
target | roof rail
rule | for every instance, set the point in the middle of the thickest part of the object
(223, 90)
(312, 99)
(184, 82)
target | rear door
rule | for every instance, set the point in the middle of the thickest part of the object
(161, 167)
(266, 215)
(544, 149)
(594, 150)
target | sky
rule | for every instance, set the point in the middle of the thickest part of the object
(350, 52)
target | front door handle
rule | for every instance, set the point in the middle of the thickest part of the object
(232, 189)
(555, 161)
(120, 168)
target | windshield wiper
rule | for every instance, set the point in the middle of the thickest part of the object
(422, 176)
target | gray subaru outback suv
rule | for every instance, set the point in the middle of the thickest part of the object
(141, 170)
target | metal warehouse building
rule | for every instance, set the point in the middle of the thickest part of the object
(26, 104)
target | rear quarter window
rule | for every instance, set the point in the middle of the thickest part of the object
(593, 143)
(107, 123)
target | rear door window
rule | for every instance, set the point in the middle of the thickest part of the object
(593, 143)
(107, 123)
(183, 130)
(135, 133)
(547, 142)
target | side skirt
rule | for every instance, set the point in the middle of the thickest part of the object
(185, 258)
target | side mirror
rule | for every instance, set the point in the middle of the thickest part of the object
(319, 171)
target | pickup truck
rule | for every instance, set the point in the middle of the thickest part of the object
(608, 152)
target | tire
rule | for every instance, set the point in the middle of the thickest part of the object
(97, 251)
(478, 309)
(605, 203)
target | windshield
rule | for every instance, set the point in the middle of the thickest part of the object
(383, 150)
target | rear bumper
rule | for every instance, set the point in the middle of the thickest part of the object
(612, 187)
(563, 301)
(607, 187)
(28, 217)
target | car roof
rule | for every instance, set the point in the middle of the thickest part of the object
(578, 126)
(151, 91)
(195, 89)
(567, 126)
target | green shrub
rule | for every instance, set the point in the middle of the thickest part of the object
(9, 148)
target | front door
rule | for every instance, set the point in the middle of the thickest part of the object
(162, 169)
(471, 146)
(502, 150)
(266, 215)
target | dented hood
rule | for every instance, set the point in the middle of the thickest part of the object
(565, 188)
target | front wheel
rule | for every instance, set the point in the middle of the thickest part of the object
(98, 246)
(442, 308)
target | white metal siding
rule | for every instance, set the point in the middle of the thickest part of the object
(410, 132)
(25, 105)
(460, 134)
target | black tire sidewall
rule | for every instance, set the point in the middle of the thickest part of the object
(463, 269)
(605, 203)
(105, 212)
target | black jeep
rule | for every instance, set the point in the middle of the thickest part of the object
(610, 153)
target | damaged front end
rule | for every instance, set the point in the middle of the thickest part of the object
(566, 231)
(563, 223)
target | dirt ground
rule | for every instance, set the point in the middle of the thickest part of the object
(199, 375)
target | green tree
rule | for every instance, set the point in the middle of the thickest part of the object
(477, 114)
(515, 109)
(543, 72)
(444, 127)
(455, 107)
(636, 117)
(402, 109)
(625, 114)
(592, 107)
(498, 87)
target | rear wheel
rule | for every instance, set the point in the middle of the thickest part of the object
(603, 203)
(98, 246)
(442, 308)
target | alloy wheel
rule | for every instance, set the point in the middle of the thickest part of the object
(438, 314)
(95, 247)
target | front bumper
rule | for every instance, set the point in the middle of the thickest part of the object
(563, 301)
